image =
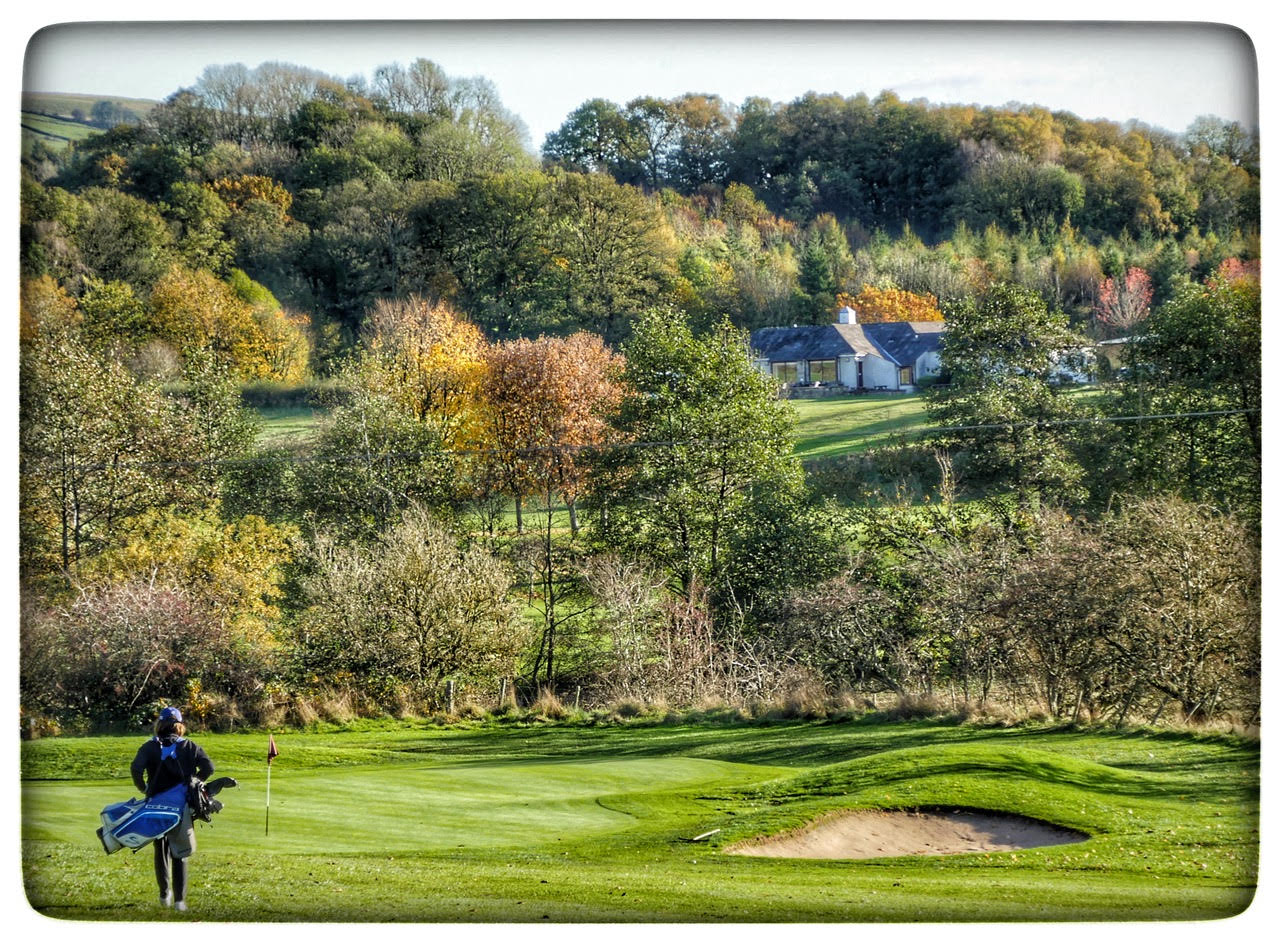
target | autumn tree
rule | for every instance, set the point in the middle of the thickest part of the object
(427, 359)
(234, 569)
(876, 305)
(193, 310)
(545, 404)
(1124, 302)
(545, 408)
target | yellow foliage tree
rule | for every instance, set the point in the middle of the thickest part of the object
(882, 305)
(43, 303)
(234, 569)
(236, 191)
(195, 310)
(427, 358)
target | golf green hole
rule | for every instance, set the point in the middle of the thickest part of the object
(854, 835)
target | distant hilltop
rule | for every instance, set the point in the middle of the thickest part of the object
(57, 118)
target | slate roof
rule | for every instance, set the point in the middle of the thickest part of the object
(900, 343)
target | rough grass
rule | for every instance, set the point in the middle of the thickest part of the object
(524, 822)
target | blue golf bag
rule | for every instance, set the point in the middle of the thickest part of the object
(137, 822)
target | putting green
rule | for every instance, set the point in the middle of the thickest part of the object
(595, 824)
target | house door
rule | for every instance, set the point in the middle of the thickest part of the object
(859, 386)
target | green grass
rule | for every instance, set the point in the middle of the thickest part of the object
(840, 425)
(825, 428)
(582, 823)
(56, 132)
(65, 103)
(291, 427)
(47, 117)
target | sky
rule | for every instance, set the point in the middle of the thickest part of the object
(1162, 74)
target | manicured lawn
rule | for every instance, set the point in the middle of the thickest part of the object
(580, 823)
(824, 428)
(840, 425)
(843, 424)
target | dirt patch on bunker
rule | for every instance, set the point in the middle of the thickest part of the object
(871, 833)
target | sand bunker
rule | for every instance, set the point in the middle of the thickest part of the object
(871, 833)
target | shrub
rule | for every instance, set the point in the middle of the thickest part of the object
(399, 616)
(115, 652)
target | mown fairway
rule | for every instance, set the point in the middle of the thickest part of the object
(826, 428)
(410, 822)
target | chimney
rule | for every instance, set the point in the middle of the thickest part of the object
(847, 315)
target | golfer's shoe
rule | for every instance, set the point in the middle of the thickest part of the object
(180, 906)
(166, 900)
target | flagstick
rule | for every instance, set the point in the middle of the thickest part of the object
(268, 797)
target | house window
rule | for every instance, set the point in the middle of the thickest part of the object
(904, 376)
(786, 372)
(822, 371)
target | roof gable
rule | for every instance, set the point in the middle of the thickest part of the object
(902, 342)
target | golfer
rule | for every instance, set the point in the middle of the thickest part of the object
(154, 759)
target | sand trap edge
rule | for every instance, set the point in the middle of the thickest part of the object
(868, 833)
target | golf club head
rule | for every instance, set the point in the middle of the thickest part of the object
(218, 784)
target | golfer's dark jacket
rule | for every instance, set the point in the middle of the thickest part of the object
(191, 759)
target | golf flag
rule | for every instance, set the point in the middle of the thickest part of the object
(272, 752)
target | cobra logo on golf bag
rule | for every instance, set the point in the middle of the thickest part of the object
(137, 822)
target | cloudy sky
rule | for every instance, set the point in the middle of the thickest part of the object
(1163, 74)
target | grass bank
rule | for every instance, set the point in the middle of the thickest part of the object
(527, 822)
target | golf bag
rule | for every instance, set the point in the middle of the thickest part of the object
(137, 822)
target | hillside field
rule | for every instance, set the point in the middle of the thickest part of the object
(593, 821)
(47, 117)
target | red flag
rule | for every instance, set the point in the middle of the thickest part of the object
(272, 751)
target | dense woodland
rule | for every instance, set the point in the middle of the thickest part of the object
(547, 465)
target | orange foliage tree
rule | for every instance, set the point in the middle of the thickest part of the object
(882, 305)
(545, 403)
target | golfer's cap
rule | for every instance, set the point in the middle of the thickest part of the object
(170, 714)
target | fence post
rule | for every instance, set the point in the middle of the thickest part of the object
(577, 697)
(502, 693)
(448, 692)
